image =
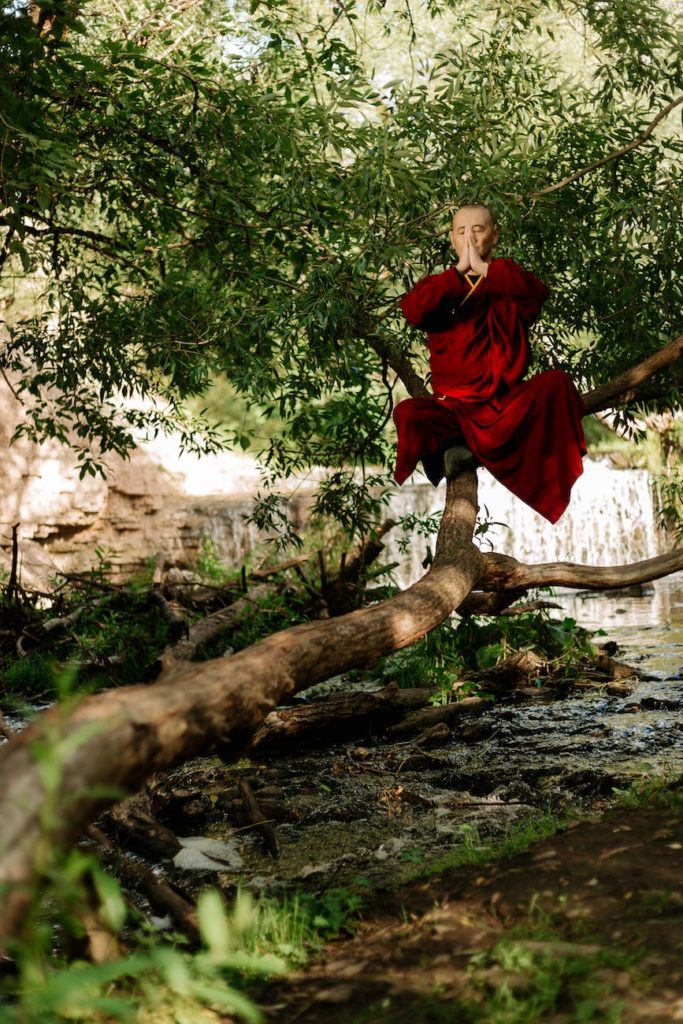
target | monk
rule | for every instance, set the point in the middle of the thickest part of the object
(527, 433)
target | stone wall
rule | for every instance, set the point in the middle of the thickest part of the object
(160, 501)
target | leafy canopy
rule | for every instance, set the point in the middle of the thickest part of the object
(198, 189)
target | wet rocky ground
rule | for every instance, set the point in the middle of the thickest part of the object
(377, 810)
(586, 925)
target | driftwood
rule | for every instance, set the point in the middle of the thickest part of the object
(427, 718)
(176, 622)
(40, 632)
(210, 627)
(118, 738)
(335, 719)
(135, 826)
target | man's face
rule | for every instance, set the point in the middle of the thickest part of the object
(484, 231)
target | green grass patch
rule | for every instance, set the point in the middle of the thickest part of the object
(295, 927)
(520, 981)
(522, 984)
(472, 849)
(662, 791)
(33, 677)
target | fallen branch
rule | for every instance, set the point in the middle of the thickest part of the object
(427, 718)
(210, 627)
(119, 737)
(40, 631)
(176, 623)
(137, 875)
(339, 717)
(137, 828)
(256, 818)
(12, 583)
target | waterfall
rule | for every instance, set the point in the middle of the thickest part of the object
(610, 520)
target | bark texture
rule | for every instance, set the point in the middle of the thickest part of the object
(505, 573)
(57, 775)
(111, 742)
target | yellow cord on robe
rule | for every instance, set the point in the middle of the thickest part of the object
(473, 288)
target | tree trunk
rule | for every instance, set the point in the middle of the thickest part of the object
(111, 742)
(56, 776)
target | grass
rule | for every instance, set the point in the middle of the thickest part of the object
(473, 850)
(661, 791)
(298, 925)
(514, 984)
(520, 984)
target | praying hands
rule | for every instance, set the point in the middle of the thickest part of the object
(469, 258)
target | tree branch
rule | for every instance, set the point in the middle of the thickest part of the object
(643, 137)
(401, 365)
(506, 573)
(621, 389)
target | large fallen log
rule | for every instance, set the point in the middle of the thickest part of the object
(117, 738)
(337, 718)
(56, 776)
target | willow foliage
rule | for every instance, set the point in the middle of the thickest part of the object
(193, 189)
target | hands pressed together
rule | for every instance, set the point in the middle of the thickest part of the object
(469, 259)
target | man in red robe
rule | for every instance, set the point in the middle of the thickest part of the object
(527, 433)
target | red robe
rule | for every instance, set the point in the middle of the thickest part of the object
(528, 434)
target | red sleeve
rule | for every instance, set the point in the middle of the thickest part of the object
(507, 280)
(429, 296)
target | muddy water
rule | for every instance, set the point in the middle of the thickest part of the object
(373, 810)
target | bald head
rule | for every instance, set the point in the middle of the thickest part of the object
(475, 209)
(474, 221)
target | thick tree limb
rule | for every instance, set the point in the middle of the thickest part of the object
(621, 389)
(117, 738)
(506, 573)
(616, 155)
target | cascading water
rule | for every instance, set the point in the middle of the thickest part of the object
(227, 531)
(610, 520)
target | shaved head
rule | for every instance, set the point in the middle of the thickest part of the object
(475, 225)
(473, 207)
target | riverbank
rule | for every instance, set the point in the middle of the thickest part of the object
(584, 926)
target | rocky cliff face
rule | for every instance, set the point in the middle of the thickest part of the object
(158, 502)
